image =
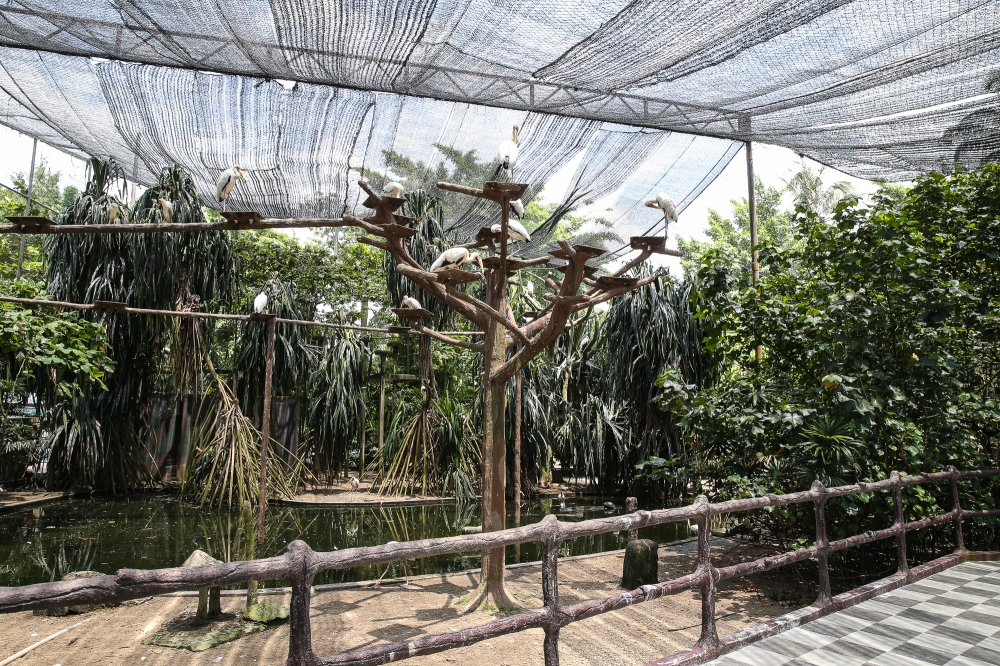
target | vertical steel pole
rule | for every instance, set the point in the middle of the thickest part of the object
(265, 430)
(822, 542)
(752, 210)
(898, 523)
(956, 507)
(27, 206)
(709, 639)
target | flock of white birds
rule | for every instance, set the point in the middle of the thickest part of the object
(451, 258)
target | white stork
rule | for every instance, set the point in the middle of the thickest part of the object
(392, 189)
(667, 205)
(517, 208)
(508, 153)
(411, 303)
(454, 258)
(260, 302)
(166, 208)
(227, 181)
(515, 231)
(355, 482)
(113, 211)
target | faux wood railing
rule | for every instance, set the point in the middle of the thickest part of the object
(300, 564)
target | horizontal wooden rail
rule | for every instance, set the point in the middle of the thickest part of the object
(300, 564)
(48, 229)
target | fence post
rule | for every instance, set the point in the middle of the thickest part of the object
(956, 507)
(822, 542)
(300, 651)
(631, 506)
(550, 593)
(898, 523)
(709, 639)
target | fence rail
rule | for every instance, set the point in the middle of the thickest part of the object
(300, 564)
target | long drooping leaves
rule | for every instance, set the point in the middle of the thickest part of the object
(336, 407)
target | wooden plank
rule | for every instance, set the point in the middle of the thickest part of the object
(413, 313)
(243, 217)
(31, 223)
(586, 250)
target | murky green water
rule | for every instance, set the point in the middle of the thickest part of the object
(149, 532)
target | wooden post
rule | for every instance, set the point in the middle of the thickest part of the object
(517, 448)
(27, 206)
(898, 521)
(956, 507)
(265, 430)
(381, 405)
(631, 506)
(822, 543)
(709, 639)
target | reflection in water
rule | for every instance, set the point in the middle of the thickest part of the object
(150, 532)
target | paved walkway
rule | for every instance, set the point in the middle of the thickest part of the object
(949, 619)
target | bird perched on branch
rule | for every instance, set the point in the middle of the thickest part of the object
(515, 231)
(392, 189)
(517, 208)
(227, 181)
(113, 211)
(411, 303)
(260, 302)
(454, 258)
(508, 155)
(166, 208)
(669, 208)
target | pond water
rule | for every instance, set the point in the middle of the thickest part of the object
(153, 531)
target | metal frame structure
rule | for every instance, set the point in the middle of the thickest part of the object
(300, 564)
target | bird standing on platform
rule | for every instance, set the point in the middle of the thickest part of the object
(517, 208)
(515, 231)
(260, 302)
(166, 208)
(508, 154)
(454, 258)
(669, 208)
(392, 189)
(411, 303)
(227, 181)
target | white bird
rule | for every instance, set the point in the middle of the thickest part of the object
(515, 231)
(667, 205)
(392, 189)
(530, 287)
(227, 181)
(260, 302)
(454, 258)
(412, 303)
(517, 208)
(167, 208)
(508, 153)
(113, 211)
(355, 482)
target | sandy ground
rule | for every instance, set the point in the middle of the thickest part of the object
(341, 492)
(12, 500)
(350, 618)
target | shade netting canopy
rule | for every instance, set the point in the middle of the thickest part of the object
(636, 96)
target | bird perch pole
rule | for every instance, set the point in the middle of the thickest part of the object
(752, 205)
(27, 206)
(265, 429)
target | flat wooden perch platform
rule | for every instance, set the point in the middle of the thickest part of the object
(492, 190)
(608, 282)
(585, 250)
(588, 271)
(394, 203)
(398, 230)
(487, 235)
(242, 217)
(654, 244)
(513, 265)
(32, 223)
(413, 313)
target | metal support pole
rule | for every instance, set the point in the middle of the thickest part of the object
(898, 522)
(265, 430)
(27, 206)
(709, 639)
(517, 447)
(956, 507)
(752, 210)
(550, 595)
(822, 542)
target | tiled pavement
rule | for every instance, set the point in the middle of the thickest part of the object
(949, 619)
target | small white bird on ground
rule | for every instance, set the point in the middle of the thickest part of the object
(411, 303)
(508, 153)
(260, 302)
(667, 205)
(517, 208)
(355, 482)
(227, 181)
(113, 211)
(454, 258)
(392, 189)
(167, 208)
(515, 231)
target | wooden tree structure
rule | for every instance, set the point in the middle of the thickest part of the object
(496, 319)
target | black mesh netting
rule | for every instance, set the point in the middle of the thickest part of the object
(881, 89)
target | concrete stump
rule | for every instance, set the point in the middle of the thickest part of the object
(209, 599)
(641, 560)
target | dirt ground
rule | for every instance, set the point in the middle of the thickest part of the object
(345, 619)
(12, 500)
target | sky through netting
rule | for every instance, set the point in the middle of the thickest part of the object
(642, 95)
